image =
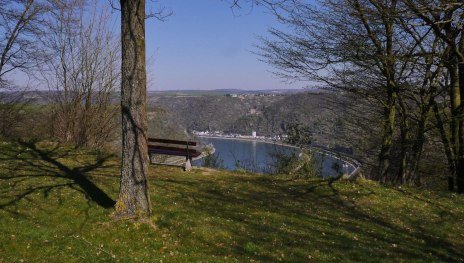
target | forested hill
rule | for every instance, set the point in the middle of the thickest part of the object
(265, 113)
(176, 113)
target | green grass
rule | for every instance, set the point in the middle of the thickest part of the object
(55, 206)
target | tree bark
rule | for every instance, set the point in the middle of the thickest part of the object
(460, 159)
(412, 176)
(134, 200)
(387, 140)
(457, 132)
(403, 172)
(447, 147)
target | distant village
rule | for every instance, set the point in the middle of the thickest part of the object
(253, 135)
(247, 95)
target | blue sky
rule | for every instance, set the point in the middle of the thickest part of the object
(204, 45)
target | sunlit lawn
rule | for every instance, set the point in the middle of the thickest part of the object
(55, 206)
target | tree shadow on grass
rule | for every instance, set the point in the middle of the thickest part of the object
(25, 161)
(298, 214)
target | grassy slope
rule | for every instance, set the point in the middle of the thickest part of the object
(209, 215)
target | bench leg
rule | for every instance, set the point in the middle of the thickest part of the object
(150, 159)
(188, 165)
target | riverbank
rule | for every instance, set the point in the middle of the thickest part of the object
(203, 154)
(235, 138)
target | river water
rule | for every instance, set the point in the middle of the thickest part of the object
(259, 156)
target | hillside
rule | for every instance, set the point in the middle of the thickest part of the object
(162, 124)
(268, 115)
(175, 113)
(55, 206)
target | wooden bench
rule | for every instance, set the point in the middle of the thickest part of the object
(173, 147)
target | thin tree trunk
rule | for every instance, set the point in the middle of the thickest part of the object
(403, 171)
(133, 199)
(460, 157)
(447, 147)
(392, 91)
(417, 148)
(455, 100)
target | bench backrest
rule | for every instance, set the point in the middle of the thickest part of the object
(169, 147)
(156, 140)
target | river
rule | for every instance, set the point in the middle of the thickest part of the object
(257, 156)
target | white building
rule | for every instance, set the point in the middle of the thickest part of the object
(253, 134)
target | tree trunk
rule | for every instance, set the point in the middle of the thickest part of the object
(387, 140)
(447, 147)
(392, 92)
(417, 147)
(403, 172)
(134, 199)
(460, 157)
(455, 100)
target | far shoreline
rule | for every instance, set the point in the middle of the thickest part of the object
(248, 140)
(355, 164)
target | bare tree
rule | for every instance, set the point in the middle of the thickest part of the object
(82, 74)
(12, 105)
(21, 23)
(446, 20)
(419, 92)
(344, 45)
(378, 51)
